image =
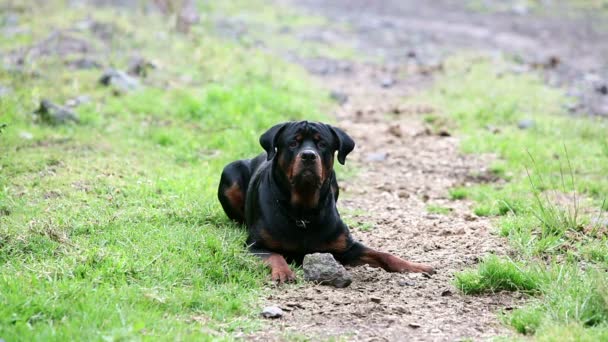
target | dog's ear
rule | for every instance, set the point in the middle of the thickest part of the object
(345, 143)
(269, 139)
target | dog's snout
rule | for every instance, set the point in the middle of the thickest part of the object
(308, 156)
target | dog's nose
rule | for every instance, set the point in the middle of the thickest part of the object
(308, 156)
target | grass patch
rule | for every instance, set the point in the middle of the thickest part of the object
(495, 274)
(458, 193)
(547, 208)
(110, 228)
(437, 209)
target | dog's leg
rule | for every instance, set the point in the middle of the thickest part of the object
(358, 254)
(280, 271)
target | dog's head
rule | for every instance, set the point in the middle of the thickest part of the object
(304, 152)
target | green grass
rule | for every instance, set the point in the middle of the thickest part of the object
(458, 193)
(437, 209)
(110, 229)
(495, 274)
(555, 187)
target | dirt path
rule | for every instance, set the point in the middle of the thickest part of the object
(403, 169)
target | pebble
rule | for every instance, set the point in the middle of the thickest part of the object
(526, 123)
(26, 135)
(339, 96)
(387, 82)
(376, 156)
(272, 312)
(406, 283)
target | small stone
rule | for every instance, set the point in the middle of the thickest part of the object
(387, 82)
(395, 130)
(375, 299)
(444, 133)
(75, 102)
(323, 269)
(493, 129)
(414, 325)
(406, 283)
(403, 194)
(602, 89)
(446, 293)
(84, 64)
(272, 312)
(376, 156)
(520, 9)
(119, 80)
(338, 96)
(26, 135)
(139, 66)
(526, 123)
(51, 113)
(470, 218)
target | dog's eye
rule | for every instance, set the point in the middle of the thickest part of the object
(293, 144)
(322, 144)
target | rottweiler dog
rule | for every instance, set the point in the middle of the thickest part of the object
(287, 199)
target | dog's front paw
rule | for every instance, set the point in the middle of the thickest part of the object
(283, 275)
(422, 268)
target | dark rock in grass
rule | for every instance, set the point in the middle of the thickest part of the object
(272, 312)
(526, 123)
(119, 80)
(601, 108)
(322, 268)
(84, 64)
(53, 114)
(602, 88)
(339, 97)
(140, 67)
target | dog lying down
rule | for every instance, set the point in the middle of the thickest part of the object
(287, 199)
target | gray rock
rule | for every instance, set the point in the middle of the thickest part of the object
(272, 312)
(339, 97)
(322, 268)
(406, 283)
(53, 114)
(119, 80)
(139, 66)
(26, 135)
(387, 82)
(78, 100)
(526, 123)
(84, 64)
(376, 157)
(5, 91)
(600, 222)
(602, 88)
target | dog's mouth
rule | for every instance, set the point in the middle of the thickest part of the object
(307, 176)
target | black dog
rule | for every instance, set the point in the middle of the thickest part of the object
(287, 198)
